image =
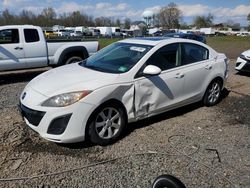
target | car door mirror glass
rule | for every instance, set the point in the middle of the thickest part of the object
(151, 70)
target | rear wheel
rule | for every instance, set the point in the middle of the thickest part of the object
(106, 124)
(213, 93)
(73, 59)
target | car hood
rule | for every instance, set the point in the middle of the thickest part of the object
(70, 78)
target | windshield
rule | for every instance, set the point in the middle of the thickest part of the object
(117, 57)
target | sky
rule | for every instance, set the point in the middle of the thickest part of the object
(223, 10)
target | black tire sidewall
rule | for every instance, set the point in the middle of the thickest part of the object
(71, 60)
(205, 99)
(93, 135)
(167, 181)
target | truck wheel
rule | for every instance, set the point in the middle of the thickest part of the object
(73, 59)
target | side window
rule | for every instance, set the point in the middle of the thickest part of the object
(166, 58)
(191, 53)
(9, 36)
(31, 35)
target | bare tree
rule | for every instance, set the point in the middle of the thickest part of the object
(248, 18)
(27, 17)
(49, 16)
(8, 18)
(170, 16)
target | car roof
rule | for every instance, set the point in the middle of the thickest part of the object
(19, 26)
(153, 41)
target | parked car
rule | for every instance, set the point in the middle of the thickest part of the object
(76, 34)
(49, 34)
(187, 36)
(25, 47)
(242, 34)
(127, 81)
(243, 62)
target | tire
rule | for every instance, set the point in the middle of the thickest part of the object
(106, 124)
(213, 93)
(167, 181)
(73, 59)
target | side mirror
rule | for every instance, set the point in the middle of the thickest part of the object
(151, 70)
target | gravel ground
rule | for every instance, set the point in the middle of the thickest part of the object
(203, 147)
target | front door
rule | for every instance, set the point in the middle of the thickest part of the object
(154, 94)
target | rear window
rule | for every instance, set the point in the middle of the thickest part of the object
(192, 53)
(31, 35)
(9, 36)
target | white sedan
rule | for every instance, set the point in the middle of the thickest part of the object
(127, 81)
(243, 62)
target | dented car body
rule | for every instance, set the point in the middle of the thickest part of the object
(124, 82)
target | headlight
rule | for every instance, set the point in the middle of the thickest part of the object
(65, 99)
(243, 57)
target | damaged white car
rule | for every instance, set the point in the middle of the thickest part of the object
(124, 82)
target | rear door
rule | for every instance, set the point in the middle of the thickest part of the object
(35, 48)
(196, 66)
(11, 50)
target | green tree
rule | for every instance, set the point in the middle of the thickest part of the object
(127, 23)
(169, 16)
(118, 22)
(203, 21)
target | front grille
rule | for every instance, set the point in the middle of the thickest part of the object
(33, 116)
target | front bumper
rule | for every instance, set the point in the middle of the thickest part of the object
(242, 65)
(71, 120)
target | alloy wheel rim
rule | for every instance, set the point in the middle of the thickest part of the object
(108, 123)
(214, 93)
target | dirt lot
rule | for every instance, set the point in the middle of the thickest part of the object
(204, 147)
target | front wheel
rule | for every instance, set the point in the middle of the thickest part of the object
(106, 124)
(213, 93)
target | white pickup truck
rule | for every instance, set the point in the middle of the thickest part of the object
(24, 46)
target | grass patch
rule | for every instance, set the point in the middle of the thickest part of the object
(232, 46)
(106, 42)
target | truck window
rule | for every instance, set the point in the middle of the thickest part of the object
(31, 35)
(9, 36)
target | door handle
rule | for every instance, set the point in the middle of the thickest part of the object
(208, 67)
(18, 48)
(179, 75)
